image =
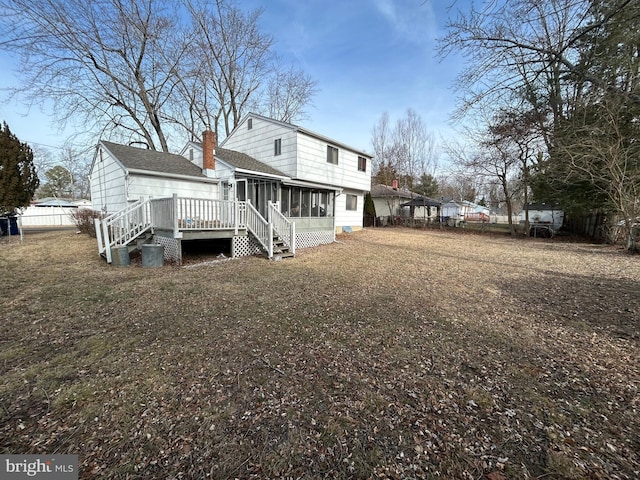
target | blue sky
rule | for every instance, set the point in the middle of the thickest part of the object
(368, 57)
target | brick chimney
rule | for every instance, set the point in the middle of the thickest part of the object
(208, 150)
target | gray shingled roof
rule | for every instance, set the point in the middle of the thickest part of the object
(379, 190)
(245, 162)
(153, 161)
(421, 202)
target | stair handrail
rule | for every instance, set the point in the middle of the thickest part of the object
(260, 228)
(282, 226)
(124, 226)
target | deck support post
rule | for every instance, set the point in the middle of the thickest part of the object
(176, 229)
(98, 226)
(293, 237)
(107, 242)
(236, 216)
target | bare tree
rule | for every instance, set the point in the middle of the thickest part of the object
(460, 184)
(414, 148)
(233, 58)
(404, 153)
(383, 157)
(529, 46)
(288, 93)
(102, 62)
(604, 152)
(148, 69)
(77, 162)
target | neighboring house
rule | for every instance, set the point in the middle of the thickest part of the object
(270, 176)
(455, 211)
(388, 201)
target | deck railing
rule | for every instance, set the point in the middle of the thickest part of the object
(123, 227)
(260, 228)
(285, 229)
(206, 214)
(163, 213)
(178, 214)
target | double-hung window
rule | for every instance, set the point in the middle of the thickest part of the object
(332, 155)
(362, 164)
(352, 202)
(277, 146)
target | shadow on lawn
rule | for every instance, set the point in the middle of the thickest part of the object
(604, 305)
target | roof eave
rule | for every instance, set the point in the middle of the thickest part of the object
(151, 173)
(257, 173)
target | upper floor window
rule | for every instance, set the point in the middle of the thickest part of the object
(352, 202)
(362, 164)
(250, 124)
(332, 154)
(277, 146)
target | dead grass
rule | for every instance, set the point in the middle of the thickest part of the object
(391, 354)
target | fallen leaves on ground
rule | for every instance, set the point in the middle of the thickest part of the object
(393, 353)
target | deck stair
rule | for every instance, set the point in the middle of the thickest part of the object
(128, 227)
(273, 235)
(280, 249)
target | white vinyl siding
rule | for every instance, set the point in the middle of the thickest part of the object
(349, 218)
(142, 186)
(259, 144)
(108, 183)
(304, 157)
(313, 165)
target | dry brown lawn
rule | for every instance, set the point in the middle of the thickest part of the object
(393, 353)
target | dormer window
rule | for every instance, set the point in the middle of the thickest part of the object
(332, 155)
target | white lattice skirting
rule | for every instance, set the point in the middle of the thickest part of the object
(313, 239)
(171, 248)
(244, 247)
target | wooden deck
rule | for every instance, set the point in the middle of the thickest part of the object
(195, 219)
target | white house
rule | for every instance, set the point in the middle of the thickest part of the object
(387, 202)
(454, 212)
(312, 162)
(121, 175)
(270, 176)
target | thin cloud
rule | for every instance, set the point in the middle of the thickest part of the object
(411, 20)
